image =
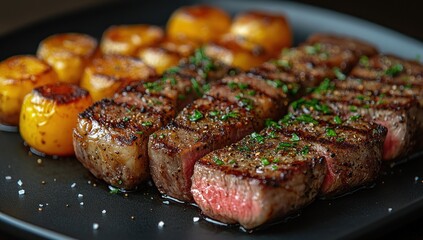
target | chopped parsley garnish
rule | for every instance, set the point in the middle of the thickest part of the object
(305, 118)
(172, 70)
(271, 134)
(200, 59)
(355, 117)
(284, 146)
(139, 132)
(283, 63)
(125, 119)
(364, 61)
(230, 115)
(265, 162)
(217, 160)
(274, 167)
(353, 108)
(339, 74)
(337, 120)
(394, 70)
(232, 162)
(244, 102)
(271, 123)
(251, 92)
(380, 99)
(213, 113)
(294, 138)
(197, 87)
(305, 150)
(313, 50)
(244, 149)
(154, 86)
(257, 137)
(195, 116)
(130, 109)
(326, 85)
(340, 139)
(114, 191)
(147, 124)
(181, 96)
(330, 132)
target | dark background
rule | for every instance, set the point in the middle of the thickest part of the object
(401, 16)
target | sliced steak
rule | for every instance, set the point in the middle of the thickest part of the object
(110, 139)
(390, 88)
(352, 147)
(388, 68)
(402, 116)
(98, 136)
(203, 126)
(262, 178)
(321, 56)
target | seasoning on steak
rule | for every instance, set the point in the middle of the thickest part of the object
(264, 177)
(402, 116)
(111, 137)
(110, 140)
(352, 147)
(321, 56)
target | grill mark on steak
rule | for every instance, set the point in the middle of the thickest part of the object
(400, 115)
(212, 123)
(111, 137)
(258, 185)
(352, 147)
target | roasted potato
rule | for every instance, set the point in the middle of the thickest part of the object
(237, 52)
(106, 75)
(129, 39)
(159, 58)
(68, 54)
(18, 76)
(49, 114)
(198, 23)
(167, 54)
(271, 31)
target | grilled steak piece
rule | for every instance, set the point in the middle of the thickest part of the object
(352, 147)
(402, 116)
(259, 100)
(203, 126)
(110, 140)
(99, 134)
(264, 177)
(388, 68)
(389, 88)
(321, 56)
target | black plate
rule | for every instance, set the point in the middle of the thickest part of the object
(54, 210)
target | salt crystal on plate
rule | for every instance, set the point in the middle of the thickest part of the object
(21, 192)
(81, 203)
(195, 219)
(161, 224)
(95, 226)
(20, 183)
(166, 202)
(103, 212)
(389, 209)
(8, 178)
(73, 185)
(80, 195)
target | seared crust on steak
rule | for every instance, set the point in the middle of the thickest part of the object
(402, 116)
(203, 126)
(117, 153)
(263, 177)
(109, 139)
(352, 147)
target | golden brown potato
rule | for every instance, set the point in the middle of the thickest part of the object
(106, 75)
(271, 31)
(49, 114)
(129, 39)
(198, 23)
(68, 54)
(18, 76)
(159, 58)
(236, 52)
(167, 54)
